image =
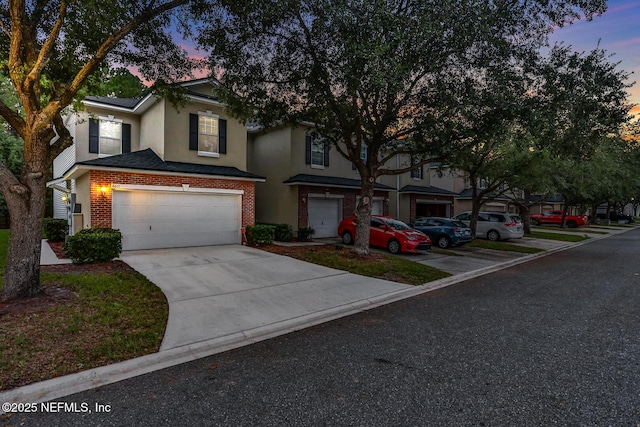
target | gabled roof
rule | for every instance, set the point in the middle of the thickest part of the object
(140, 105)
(331, 181)
(426, 190)
(147, 160)
(116, 102)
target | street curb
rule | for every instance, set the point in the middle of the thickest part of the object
(93, 378)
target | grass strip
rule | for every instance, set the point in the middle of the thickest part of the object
(503, 246)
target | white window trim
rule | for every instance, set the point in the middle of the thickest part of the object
(317, 141)
(214, 116)
(109, 119)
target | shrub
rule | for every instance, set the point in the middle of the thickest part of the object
(283, 232)
(94, 245)
(55, 229)
(260, 234)
(305, 233)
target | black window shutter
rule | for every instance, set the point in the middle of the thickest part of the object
(326, 154)
(307, 149)
(126, 138)
(422, 172)
(353, 166)
(193, 132)
(222, 136)
(94, 135)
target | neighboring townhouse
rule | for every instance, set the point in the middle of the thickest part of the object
(308, 184)
(426, 192)
(164, 177)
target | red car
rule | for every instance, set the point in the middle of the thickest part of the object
(555, 217)
(388, 233)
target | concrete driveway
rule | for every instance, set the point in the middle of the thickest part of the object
(219, 291)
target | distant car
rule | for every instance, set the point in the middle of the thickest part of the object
(555, 217)
(444, 232)
(495, 225)
(617, 217)
(387, 232)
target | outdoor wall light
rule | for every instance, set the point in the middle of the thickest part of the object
(103, 190)
(64, 198)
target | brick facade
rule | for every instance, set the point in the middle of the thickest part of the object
(101, 207)
(348, 203)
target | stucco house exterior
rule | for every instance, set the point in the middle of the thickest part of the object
(165, 177)
(308, 184)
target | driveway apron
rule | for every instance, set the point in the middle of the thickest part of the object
(216, 291)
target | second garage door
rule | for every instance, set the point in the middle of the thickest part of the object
(161, 219)
(325, 216)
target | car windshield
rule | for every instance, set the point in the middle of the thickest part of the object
(397, 225)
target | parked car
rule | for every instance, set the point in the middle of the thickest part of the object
(555, 217)
(495, 225)
(617, 217)
(388, 233)
(444, 232)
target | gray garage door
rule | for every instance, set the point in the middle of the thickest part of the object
(160, 219)
(325, 216)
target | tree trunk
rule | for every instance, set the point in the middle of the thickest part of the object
(363, 216)
(476, 203)
(525, 211)
(26, 203)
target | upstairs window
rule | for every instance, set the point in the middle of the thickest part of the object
(416, 173)
(109, 136)
(316, 152)
(207, 134)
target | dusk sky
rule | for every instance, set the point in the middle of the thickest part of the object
(618, 31)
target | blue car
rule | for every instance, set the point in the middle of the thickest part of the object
(444, 232)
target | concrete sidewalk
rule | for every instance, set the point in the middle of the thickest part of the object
(226, 297)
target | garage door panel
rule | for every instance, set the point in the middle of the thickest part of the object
(149, 219)
(325, 216)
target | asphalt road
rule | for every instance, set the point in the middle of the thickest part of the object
(555, 341)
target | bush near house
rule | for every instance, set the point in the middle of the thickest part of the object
(94, 245)
(282, 232)
(260, 234)
(305, 234)
(55, 229)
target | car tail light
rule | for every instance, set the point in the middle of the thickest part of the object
(511, 224)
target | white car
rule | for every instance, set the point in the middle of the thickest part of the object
(495, 225)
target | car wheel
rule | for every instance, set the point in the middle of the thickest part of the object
(444, 242)
(347, 238)
(393, 246)
(493, 235)
(572, 224)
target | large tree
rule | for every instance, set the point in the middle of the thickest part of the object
(362, 72)
(49, 50)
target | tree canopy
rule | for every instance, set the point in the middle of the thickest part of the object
(364, 72)
(49, 50)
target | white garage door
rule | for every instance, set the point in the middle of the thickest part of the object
(325, 216)
(159, 219)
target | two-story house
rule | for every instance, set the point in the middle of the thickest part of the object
(165, 177)
(308, 183)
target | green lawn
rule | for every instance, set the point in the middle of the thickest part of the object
(378, 265)
(558, 236)
(503, 246)
(87, 320)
